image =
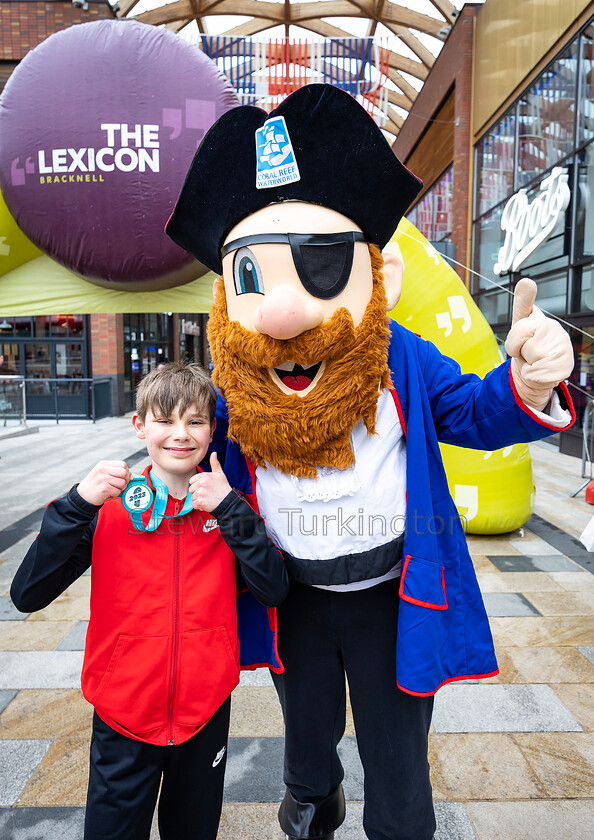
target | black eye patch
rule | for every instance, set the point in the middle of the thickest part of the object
(323, 261)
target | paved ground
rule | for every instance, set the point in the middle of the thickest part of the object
(512, 758)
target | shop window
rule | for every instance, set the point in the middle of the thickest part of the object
(432, 215)
(583, 289)
(9, 360)
(42, 326)
(584, 236)
(546, 117)
(22, 326)
(582, 375)
(586, 100)
(552, 293)
(495, 306)
(38, 366)
(69, 366)
(488, 241)
(495, 164)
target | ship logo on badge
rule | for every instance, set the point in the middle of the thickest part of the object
(275, 158)
(137, 497)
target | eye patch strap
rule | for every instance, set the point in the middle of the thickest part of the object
(285, 239)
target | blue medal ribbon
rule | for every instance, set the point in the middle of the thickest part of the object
(159, 505)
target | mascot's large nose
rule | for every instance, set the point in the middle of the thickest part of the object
(286, 312)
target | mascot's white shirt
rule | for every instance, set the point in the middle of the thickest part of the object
(342, 511)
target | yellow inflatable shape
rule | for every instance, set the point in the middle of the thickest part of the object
(15, 248)
(493, 491)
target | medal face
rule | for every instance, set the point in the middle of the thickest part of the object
(137, 497)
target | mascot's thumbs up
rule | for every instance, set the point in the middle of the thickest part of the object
(540, 349)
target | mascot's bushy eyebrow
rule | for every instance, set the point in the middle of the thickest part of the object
(341, 161)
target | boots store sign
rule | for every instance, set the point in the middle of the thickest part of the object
(527, 225)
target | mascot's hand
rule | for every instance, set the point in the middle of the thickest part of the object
(106, 481)
(209, 489)
(540, 349)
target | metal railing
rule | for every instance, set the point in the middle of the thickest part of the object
(587, 432)
(59, 398)
(13, 400)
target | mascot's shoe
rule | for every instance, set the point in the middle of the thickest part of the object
(312, 820)
(325, 837)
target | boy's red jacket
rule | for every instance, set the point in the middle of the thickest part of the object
(162, 651)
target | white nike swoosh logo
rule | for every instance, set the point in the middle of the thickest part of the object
(219, 757)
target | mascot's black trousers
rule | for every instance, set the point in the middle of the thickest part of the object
(322, 635)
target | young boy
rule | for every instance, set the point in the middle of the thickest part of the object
(162, 648)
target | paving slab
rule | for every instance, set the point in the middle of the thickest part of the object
(453, 822)
(557, 820)
(533, 563)
(42, 823)
(508, 603)
(534, 545)
(501, 708)
(588, 652)
(18, 761)
(259, 677)
(75, 638)
(8, 611)
(255, 770)
(40, 669)
(5, 698)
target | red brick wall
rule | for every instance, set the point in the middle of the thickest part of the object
(23, 25)
(451, 71)
(107, 348)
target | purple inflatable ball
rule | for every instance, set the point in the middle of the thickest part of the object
(98, 126)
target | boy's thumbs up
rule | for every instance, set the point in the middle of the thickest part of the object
(214, 463)
(208, 489)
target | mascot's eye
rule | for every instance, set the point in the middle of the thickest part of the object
(247, 274)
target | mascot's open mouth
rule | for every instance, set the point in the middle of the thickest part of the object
(295, 377)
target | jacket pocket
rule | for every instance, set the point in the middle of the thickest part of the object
(422, 583)
(133, 689)
(208, 673)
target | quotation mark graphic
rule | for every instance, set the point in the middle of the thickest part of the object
(197, 115)
(19, 173)
(458, 310)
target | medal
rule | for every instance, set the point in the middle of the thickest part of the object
(138, 497)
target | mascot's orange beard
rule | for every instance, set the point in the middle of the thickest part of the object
(297, 434)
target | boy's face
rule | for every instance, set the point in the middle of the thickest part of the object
(176, 445)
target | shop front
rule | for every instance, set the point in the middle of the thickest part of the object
(534, 209)
(50, 352)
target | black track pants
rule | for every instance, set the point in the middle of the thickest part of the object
(322, 635)
(124, 781)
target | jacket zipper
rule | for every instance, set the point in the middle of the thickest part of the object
(174, 654)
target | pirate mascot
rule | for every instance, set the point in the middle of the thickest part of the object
(334, 417)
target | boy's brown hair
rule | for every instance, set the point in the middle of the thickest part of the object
(173, 384)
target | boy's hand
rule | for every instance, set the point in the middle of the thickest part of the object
(541, 351)
(209, 489)
(105, 481)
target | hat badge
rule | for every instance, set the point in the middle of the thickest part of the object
(275, 158)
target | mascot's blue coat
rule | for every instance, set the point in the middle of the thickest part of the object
(443, 630)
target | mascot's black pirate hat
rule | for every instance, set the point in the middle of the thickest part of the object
(318, 146)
